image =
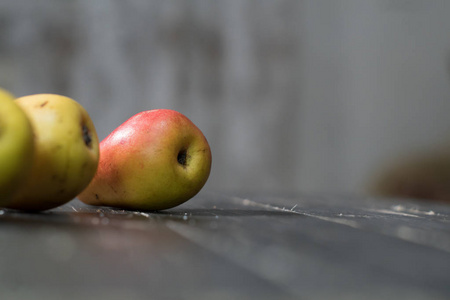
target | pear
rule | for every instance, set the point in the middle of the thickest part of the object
(16, 147)
(66, 152)
(155, 160)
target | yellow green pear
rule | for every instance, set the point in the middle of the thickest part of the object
(16, 146)
(66, 152)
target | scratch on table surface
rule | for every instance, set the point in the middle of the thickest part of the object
(343, 221)
(413, 210)
(392, 212)
(146, 215)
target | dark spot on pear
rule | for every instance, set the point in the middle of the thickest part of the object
(182, 157)
(96, 196)
(43, 104)
(87, 136)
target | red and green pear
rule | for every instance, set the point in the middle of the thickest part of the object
(155, 160)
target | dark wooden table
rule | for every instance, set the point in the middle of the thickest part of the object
(230, 247)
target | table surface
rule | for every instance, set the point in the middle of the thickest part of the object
(226, 246)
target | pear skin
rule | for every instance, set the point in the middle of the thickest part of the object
(155, 160)
(16, 147)
(66, 152)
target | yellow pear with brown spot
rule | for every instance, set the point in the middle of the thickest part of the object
(66, 151)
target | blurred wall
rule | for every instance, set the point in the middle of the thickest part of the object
(293, 95)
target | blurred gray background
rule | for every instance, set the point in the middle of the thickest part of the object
(293, 95)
